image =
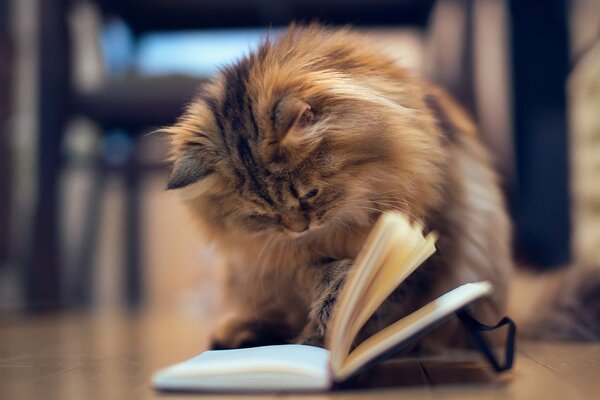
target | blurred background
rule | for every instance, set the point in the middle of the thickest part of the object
(84, 220)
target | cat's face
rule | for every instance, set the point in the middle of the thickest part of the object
(287, 146)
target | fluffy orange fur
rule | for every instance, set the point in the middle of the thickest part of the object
(288, 156)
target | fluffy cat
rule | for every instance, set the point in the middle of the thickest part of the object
(287, 157)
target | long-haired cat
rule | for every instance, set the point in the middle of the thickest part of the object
(288, 156)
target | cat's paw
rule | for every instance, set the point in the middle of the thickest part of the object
(237, 334)
(312, 338)
(322, 310)
(328, 290)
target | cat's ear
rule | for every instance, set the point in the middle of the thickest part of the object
(188, 169)
(292, 120)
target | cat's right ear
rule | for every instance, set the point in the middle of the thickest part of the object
(189, 168)
(292, 120)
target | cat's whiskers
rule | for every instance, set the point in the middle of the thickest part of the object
(341, 222)
(398, 204)
(403, 210)
(259, 267)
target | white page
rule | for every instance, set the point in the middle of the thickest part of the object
(270, 368)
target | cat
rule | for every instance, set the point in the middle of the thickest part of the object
(287, 157)
(558, 305)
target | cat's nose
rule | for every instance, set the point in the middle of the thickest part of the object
(295, 222)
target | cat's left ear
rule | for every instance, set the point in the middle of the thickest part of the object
(292, 120)
(188, 169)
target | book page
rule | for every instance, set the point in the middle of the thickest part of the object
(411, 326)
(375, 247)
(393, 250)
(395, 270)
(280, 367)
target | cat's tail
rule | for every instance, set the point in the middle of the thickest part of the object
(560, 305)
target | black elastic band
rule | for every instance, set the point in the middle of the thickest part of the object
(476, 328)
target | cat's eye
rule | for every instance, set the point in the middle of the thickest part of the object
(311, 193)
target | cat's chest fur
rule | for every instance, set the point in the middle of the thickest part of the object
(277, 253)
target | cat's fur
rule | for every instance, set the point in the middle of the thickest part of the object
(287, 157)
(562, 304)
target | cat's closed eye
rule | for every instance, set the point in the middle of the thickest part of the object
(311, 193)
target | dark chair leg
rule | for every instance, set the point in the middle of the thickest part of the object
(133, 274)
(42, 270)
(83, 285)
(540, 67)
(5, 111)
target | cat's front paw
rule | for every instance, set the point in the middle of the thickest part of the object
(239, 333)
(327, 292)
(312, 336)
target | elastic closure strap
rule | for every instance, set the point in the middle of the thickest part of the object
(476, 330)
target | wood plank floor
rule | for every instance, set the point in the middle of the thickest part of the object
(114, 356)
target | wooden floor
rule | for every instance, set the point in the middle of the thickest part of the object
(113, 357)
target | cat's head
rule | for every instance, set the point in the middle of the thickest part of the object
(306, 131)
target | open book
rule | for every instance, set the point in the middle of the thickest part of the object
(393, 250)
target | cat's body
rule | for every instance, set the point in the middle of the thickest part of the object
(287, 158)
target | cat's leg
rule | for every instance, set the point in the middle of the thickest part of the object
(263, 308)
(249, 331)
(327, 282)
(330, 280)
